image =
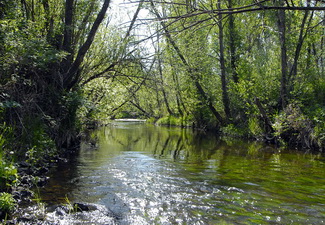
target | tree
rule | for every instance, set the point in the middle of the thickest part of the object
(46, 63)
(190, 70)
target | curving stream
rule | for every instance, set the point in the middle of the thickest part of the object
(142, 174)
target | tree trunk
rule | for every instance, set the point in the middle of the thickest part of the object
(161, 77)
(47, 17)
(24, 8)
(284, 60)
(232, 44)
(72, 76)
(179, 99)
(68, 34)
(294, 68)
(225, 98)
(267, 120)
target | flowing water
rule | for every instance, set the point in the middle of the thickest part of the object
(145, 174)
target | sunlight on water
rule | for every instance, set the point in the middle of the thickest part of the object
(156, 175)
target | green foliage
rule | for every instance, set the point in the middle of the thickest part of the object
(8, 174)
(318, 134)
(188, 120)
(25, 50)
(7, 202)
(71, 102)
(254, 127)
(151, 120)
(70, 123)
(234, 131)
(37, 143)
(163, 121)
(170, 121)
(185, 121)
(295, 127)
(124, 114)
(120, 78)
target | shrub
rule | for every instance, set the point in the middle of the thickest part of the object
(7, 202)
(294, 127)
(163, 121)
(232, 130)
(254, 127)
(170, 121)
(151, 120)
(318, 134)
(8, 174)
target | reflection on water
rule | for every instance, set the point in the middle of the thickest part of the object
(156, 175)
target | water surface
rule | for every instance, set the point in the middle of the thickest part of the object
(156, 175)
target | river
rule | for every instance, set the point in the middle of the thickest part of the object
(144, 174)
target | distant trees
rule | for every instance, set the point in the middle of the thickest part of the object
(239, 66)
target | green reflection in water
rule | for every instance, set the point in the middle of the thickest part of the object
(215, 180)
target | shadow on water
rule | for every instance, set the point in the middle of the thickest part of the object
(156, 175)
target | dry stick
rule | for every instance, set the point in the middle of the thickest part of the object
(188, 68)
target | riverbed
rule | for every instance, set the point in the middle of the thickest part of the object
(143, 174)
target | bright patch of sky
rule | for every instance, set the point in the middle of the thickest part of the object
(121, 14)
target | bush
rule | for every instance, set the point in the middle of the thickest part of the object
(8, 174)
(232, 130)
(293, 127)
(151, 120)
(318, 134)
(163, 121)
(254, 127)
(175, 121)
(7, 202)
(170, 121)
